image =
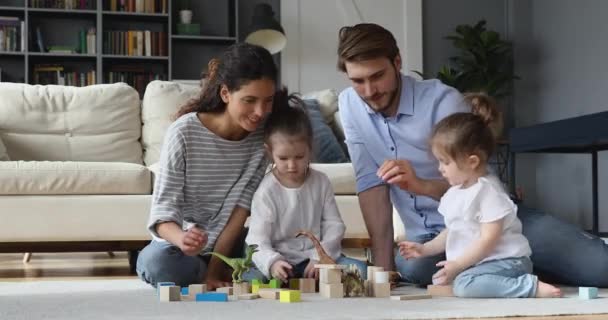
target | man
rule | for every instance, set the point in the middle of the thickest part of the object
(388, 118)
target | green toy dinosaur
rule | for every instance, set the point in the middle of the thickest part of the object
(239, 265)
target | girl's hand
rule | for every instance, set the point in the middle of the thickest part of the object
(410, 250)
(446, 275)
(193, 241)
(281, 270)
(311, 271)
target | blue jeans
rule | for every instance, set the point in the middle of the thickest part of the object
(561, 253)
(504, 278)
(298, 269)
(164, 262)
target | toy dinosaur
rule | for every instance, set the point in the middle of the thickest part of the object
(239, 265)
(351, 277)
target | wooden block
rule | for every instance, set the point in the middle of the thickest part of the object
(587, 293)
(371, 270)
(249, 296)
(439, 291)
(330, 266)
(382, 290)
(308, 285)
(194, 289)
(227, 290)
(331, 290)
(269, 293)
(381, 277)
(289, 296)
(275, 283)
(294, 284)
(169, 293)
(240, 288)
(163, 284)
(212, 297)
(411, 297)
(330, 276)
(367, 288)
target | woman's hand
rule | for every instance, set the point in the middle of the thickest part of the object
(193, 241)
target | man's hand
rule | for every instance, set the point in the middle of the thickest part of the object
(311, 271)
(446, 275)
(281, 270)
(193, 241)
(411, 250)
(401, 173)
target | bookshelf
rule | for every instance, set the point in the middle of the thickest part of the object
(102, 41)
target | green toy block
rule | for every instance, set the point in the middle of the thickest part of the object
(289, 296)
(294, 284)
(256, 281)
(275, 284)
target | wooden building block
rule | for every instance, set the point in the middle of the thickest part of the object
(294, 284)
(163, 284)
(249, 296)
(275, 283)
(290, 296)
(212, 296)
(239, 288)
(368, 289)
(330, 276)
(382, 290)
(439, 291)
(269, 293)
(331, 290)
(381, 277)
(194, 289)
(587, 293)
(227, 290)
(371, 270)
(308, 285)
(411, 297)
(169, 293)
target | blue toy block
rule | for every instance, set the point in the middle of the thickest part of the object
(587, 293)
(185, 291)
(212, 296)
(161, 284)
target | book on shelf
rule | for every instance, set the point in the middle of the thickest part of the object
(142, 43)
(59, 75)
(64, 4)
(12, 35)
(137, 6)
(133, 75)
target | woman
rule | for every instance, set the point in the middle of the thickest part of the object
(211, 163)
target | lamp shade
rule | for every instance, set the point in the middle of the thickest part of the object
(265, 30)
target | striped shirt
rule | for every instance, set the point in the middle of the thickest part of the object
(203, 177)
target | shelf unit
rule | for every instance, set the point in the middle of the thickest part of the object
(222, 23)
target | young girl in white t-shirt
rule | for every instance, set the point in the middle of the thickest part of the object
(293, 197)
(487, 256)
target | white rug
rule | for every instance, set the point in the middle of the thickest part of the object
(132, 299)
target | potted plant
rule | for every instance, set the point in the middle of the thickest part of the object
(185, 12)
(484, 62)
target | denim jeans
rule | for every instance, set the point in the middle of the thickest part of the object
(418, 271)
(561, 253)
(504, 278)
(298, 269)
(164, 262)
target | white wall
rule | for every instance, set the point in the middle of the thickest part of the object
(308, 62)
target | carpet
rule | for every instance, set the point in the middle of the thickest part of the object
(132, 299)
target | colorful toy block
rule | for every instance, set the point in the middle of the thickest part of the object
(185, 291)
(275, 283)
(439, 291)
(289, 296)
(294, 284)
(212, 297)
(587, 293)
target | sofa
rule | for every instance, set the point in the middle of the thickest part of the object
(76, 165)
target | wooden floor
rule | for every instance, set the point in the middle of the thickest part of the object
(78, 266)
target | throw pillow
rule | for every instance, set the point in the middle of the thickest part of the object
(326, 148)
(3, 152)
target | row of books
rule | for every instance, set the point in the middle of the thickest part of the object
(12, 36)
(59, 75)
(137, 78)
(64, 4)
(135, 43)
(140, 6)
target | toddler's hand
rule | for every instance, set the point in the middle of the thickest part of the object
(446, 275)
(281, 270)
(311, 271)
(410, 250)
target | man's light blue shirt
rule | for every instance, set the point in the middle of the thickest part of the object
(371, 139)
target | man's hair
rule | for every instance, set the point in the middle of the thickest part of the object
(365, 41)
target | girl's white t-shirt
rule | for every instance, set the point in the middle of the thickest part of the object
(464, 211)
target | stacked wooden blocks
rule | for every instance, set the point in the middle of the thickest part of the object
(330, 280)
(377, 283)
(305, 285)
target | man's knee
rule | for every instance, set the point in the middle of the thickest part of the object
(161, 264)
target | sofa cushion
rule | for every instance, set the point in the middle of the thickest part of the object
(56, 177)
(161, 102)
(326, 148)
(341, 176)
(61, 123)
(3, 154)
